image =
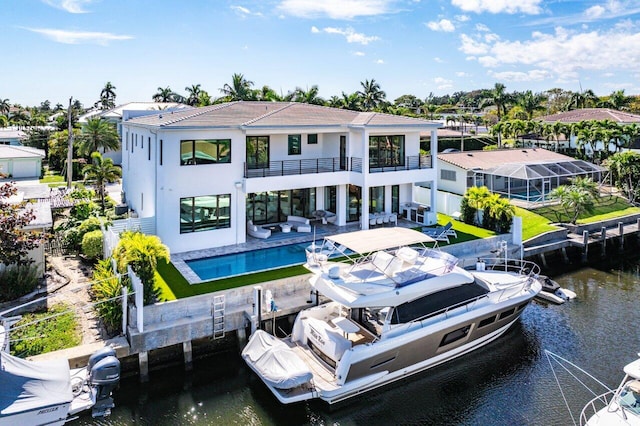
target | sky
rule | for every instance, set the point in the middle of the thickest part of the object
(57, 49)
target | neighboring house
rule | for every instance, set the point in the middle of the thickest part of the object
(42, 223)
(526, 174)
(19, 162)
(589, 114)
(12, 136)
(204, 173)
(126, 111)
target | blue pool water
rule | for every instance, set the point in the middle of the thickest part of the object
(228, 265)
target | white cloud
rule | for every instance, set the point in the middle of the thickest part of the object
(358, 53)
(315, 30)
(443, 83)
(79, 37)
(462, 18)
(351, 35)
(563, 54)
(594, 12)
(462, 74)
(335, 9)
(438, 60)
(380, 61)
(533, 75)
(482, 28)
(531, 7)
(71, 6)
(442, 25)
(244, 12)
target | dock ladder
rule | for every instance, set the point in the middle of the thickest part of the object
(218, 316)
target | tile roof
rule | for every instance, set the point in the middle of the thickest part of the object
(485, 160)
(586, 114)
(249, 114)
(13, 151)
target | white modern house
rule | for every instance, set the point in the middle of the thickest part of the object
(202, 174)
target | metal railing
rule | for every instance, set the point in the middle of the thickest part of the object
(413, 162)
(295, 167)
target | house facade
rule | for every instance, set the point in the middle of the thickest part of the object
(202, 174)
(19, 162)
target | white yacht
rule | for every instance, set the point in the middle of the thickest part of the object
(394, 308)
(620, 406)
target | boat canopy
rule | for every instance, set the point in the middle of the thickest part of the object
(368, 241)
(27, 386)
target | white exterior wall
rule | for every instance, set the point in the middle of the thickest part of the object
(459, 186)
(152, 189)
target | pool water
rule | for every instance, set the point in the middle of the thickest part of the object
(229, 265)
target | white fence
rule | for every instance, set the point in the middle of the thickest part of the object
(111, 235)
(447, 202)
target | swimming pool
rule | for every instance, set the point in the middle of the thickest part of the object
(229, 265)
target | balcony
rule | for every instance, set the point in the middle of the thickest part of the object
(414, 162)
(296, 167)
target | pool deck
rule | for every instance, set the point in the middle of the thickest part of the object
(179, 259)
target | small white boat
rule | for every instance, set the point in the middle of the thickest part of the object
(396, 308)
(50, 393)
(552, 292)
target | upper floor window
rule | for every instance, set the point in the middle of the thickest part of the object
(205, 213)
(447, 174)
(386, 151)
(205, 151)
(295, 144)
(312, 139)
(258, 152)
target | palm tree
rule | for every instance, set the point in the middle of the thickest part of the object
(574, 201)
(268, 94)
(625, 173)
(4, 121)
(98, 133)
(99, 173)
(334, 102)
(477, 197)
(163, 95)
(194, 93)
(108, 96)
(5, 106)
(142, 252)
(618, 100)
(352, 102)
(584, 99)
(371, 95)
(239, 90)
(498, 98)
(310, 96)
(531, 103)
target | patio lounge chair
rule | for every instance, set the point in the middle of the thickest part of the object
(441, 233)
(256, 231)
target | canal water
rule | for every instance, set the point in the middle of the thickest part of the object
(509, 382)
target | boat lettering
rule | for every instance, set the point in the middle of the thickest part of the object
(316, 335)
(47, 410)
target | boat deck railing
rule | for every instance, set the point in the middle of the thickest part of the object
(516, 266)
(596, 404)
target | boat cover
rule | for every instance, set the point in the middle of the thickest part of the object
(26, 385)
(277, 364)
(371, 240)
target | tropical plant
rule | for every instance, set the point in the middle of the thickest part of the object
(239, 89)
(142, 252)
(5, 106)
(92, 244)
(17, 280)
(497, 97)
(531, 103)
(574, 199)
(108, 96)
(106, 288)
(617, 100)
(309, 96)
(98, 134)
(584, 99)
(371, 96)
(45, 332)
(100, 172)
(477, 197)
(193, 94)
(625, 173)
(163, 95)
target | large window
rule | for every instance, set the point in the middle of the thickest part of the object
(205, 213)
(258, 152)
(376, 199)
(205, 151)
(386, 151)
(295, 144)
(275, 206)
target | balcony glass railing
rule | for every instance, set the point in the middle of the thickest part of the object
(414, 162)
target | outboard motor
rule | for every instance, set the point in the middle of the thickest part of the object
(104, 377)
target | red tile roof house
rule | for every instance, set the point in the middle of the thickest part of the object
(202, 174)
(590, 114)
(524, 174)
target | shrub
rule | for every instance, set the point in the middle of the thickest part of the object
(17, 280)
(106, 285)
(92, 244)
(73, 236)
(467, 213)
(47, 333)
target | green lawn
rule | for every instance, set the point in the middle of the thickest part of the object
(534, 224)
(174, 286)
(44, 332)
(605, 208)
(465, 231)
(52, 179)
